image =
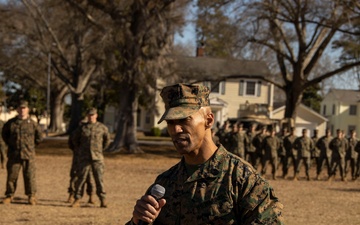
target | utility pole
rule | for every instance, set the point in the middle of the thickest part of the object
(48, 95)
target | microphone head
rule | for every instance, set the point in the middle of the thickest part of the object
(157, 191)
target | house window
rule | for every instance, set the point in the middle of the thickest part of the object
(216, 87)
(353, 110)
(147, 117)
(333, 109)
(324, 110)
(250, 88)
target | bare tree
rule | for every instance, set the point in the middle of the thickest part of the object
(299, 32)
(24, 59)
(75, 44)
(141, 33)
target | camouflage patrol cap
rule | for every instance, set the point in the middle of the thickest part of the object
(182, 100)
(92, 111)
(23, 104)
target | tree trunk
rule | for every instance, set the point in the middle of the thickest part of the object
(77, 102)
(57, 110)
(294, 93)
(125, 139)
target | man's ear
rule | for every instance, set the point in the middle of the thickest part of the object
(209, 121)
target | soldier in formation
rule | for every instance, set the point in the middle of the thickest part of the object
(352, 155)
(338, 146)
(270, 146)
(21, 134)
(237, 140)
(323, 144)
(91, 139)
(74, 174)
(290, 152)
(303, 146)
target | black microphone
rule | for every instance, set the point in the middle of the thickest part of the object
(157, 191)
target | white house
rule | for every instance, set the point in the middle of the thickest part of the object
(306, 118)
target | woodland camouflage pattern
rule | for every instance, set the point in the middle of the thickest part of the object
(227, 190)
(182, 100)
(3, 146)
(21, 136)
(90, 139)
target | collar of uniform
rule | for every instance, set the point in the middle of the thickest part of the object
(209, 170)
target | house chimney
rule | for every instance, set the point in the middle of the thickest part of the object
(200, 49)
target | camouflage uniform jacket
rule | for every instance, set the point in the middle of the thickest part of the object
(304, 146)
(281, 150)
(289, 145)
(351, 153)
(271, 146)
(338, 147)
(316, 150)
(226, 190)
(237, 141)
(90, 139)
(21, 136)
(258, 143)
(324, 145)
(249, 138)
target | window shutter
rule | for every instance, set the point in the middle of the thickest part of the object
(222, 85)
(259, 88)
(241, 88)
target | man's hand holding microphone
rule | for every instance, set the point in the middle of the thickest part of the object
(147, 208)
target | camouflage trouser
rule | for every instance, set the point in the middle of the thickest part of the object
(320, 164)
(288, 160)
(85, 167)
(254, 158)
(338, 162)
(273, 162)
(2, 154)
(74, 177)
(306, 161)
(13, 168)
(352, 163)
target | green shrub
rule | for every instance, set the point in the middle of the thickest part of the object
(155, 131)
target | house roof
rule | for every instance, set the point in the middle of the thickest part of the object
(207, 68)
(346, 95)
(305, 108)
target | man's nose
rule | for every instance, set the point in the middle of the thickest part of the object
(178, 128)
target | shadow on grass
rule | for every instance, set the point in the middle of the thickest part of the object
(345, 189)
(59, 147)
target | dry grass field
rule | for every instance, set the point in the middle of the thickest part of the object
(128, 176)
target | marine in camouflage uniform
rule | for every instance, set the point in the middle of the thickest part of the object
(291, 153)
(237, 141)
(315, 153)
(74, 171)
(209, 185)
(21, 134)
(91, 139)
(224, 133)
(250, 149)
(3, 147)
(351, 155)
(271, 145)
(304, 145)
(258, 143)
(282, 151)
(357, 170)
(338, 147)
(323, 144)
